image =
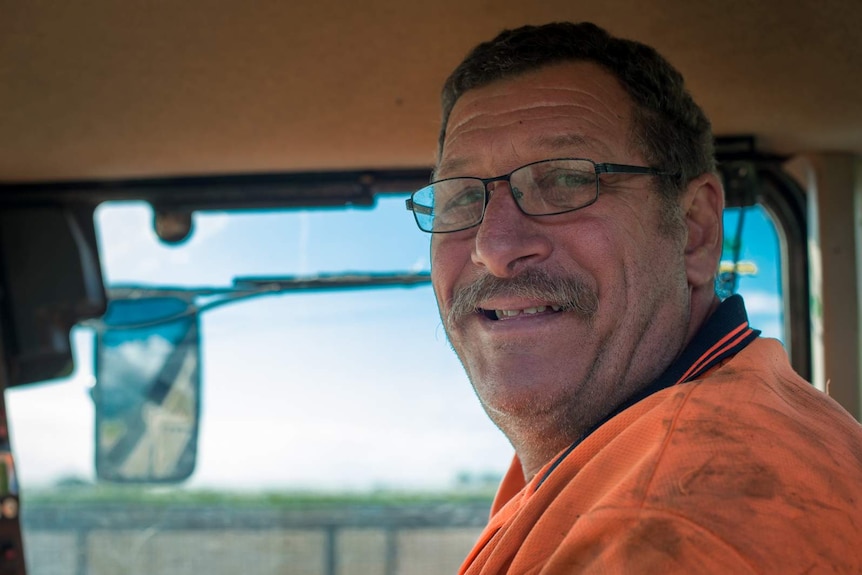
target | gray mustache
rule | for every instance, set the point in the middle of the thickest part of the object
(570, 293)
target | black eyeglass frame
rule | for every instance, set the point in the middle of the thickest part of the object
(599, 168)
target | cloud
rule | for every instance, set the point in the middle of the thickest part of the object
(762, 302)
(421, 264)
(770, 329)
(135, 359)
(207, 226)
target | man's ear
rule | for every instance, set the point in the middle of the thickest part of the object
(703, 207)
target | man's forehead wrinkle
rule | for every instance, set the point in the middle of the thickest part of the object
(459, 132)
(537, 111)
(484, 120)
(485, 105)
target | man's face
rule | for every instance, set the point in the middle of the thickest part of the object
(628, 277)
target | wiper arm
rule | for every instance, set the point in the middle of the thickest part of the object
(244, 288)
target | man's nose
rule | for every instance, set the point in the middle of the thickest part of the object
(508, 240)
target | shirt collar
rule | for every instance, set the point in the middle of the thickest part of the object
(724, 334)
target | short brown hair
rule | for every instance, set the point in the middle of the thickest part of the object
(669, 128)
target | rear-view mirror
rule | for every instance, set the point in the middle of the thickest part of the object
(147, 391)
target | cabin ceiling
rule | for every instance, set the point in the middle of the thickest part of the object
(99, 89)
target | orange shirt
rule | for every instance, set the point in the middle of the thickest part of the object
(747, 469)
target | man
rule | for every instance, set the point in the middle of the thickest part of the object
(577, 221)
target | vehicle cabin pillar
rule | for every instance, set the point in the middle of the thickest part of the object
(834, 186)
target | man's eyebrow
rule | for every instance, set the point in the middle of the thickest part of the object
(560, 141)
(544, 141)
(448, 166)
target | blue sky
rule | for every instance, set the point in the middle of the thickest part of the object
(762, 290)
(354, 390)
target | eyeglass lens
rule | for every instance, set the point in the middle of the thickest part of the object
(542, 188)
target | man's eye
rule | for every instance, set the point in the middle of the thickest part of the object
(568, 179)
(466, 197)
(561, 188)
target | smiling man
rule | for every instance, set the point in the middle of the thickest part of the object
(577, 221)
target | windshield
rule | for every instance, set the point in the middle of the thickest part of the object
(337, 428)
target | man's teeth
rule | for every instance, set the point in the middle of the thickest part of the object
(501, 313)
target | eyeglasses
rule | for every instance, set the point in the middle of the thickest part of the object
(543, 188)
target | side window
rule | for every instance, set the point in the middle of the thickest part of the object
(765, 256)
(751, 266)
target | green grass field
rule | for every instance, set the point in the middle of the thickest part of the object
(169, 495)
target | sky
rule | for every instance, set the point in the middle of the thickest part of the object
(354, 390)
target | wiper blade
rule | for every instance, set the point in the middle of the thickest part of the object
(334, 281)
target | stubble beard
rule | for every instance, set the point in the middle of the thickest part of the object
(570, 293)
(529, 425)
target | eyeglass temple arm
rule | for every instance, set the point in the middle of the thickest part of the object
(418, 208)
(626, 169)
(623, 169)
